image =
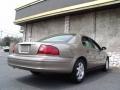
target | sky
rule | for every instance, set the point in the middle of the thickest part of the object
(7, 17)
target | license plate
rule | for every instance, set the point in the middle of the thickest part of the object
(24, 48)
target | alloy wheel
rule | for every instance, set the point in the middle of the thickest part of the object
(80, 71)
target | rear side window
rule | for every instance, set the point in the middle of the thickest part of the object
(59, 38)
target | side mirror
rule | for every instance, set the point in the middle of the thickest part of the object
(103, 48)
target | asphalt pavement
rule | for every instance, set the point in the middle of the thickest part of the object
(15, 79)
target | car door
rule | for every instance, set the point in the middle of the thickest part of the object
(91, 52)
(100, 55)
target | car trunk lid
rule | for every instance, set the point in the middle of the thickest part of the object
(28, 48)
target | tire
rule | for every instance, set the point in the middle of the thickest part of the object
(35, 73)
(79, 71)
(106, 66)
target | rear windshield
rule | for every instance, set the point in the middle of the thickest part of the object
(58, 38)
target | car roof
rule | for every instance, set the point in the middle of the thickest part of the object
(75, 34)
(68, 34)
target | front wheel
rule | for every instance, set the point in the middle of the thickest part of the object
(78, 73)
(106, 66)
(35, 73)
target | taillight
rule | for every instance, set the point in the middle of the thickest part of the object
(48, 49)
(14, 49)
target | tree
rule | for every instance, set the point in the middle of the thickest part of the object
(7, 40)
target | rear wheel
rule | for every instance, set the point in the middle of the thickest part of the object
(79, 70)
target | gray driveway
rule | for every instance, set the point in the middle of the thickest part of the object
(15, 79)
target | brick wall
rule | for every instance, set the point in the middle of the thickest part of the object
(114, 59)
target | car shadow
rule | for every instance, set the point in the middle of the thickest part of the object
(59, 81)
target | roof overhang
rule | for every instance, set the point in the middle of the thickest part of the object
(28, 4)
(79, 7)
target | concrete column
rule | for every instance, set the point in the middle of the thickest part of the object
(67, 24)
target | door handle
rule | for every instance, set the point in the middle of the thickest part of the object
(98, 52)
(87, 51)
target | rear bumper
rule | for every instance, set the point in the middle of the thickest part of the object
(41, 63)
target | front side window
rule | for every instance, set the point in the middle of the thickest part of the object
(96, 46)
(87, 42)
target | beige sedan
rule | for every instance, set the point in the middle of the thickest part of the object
(64, 53)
